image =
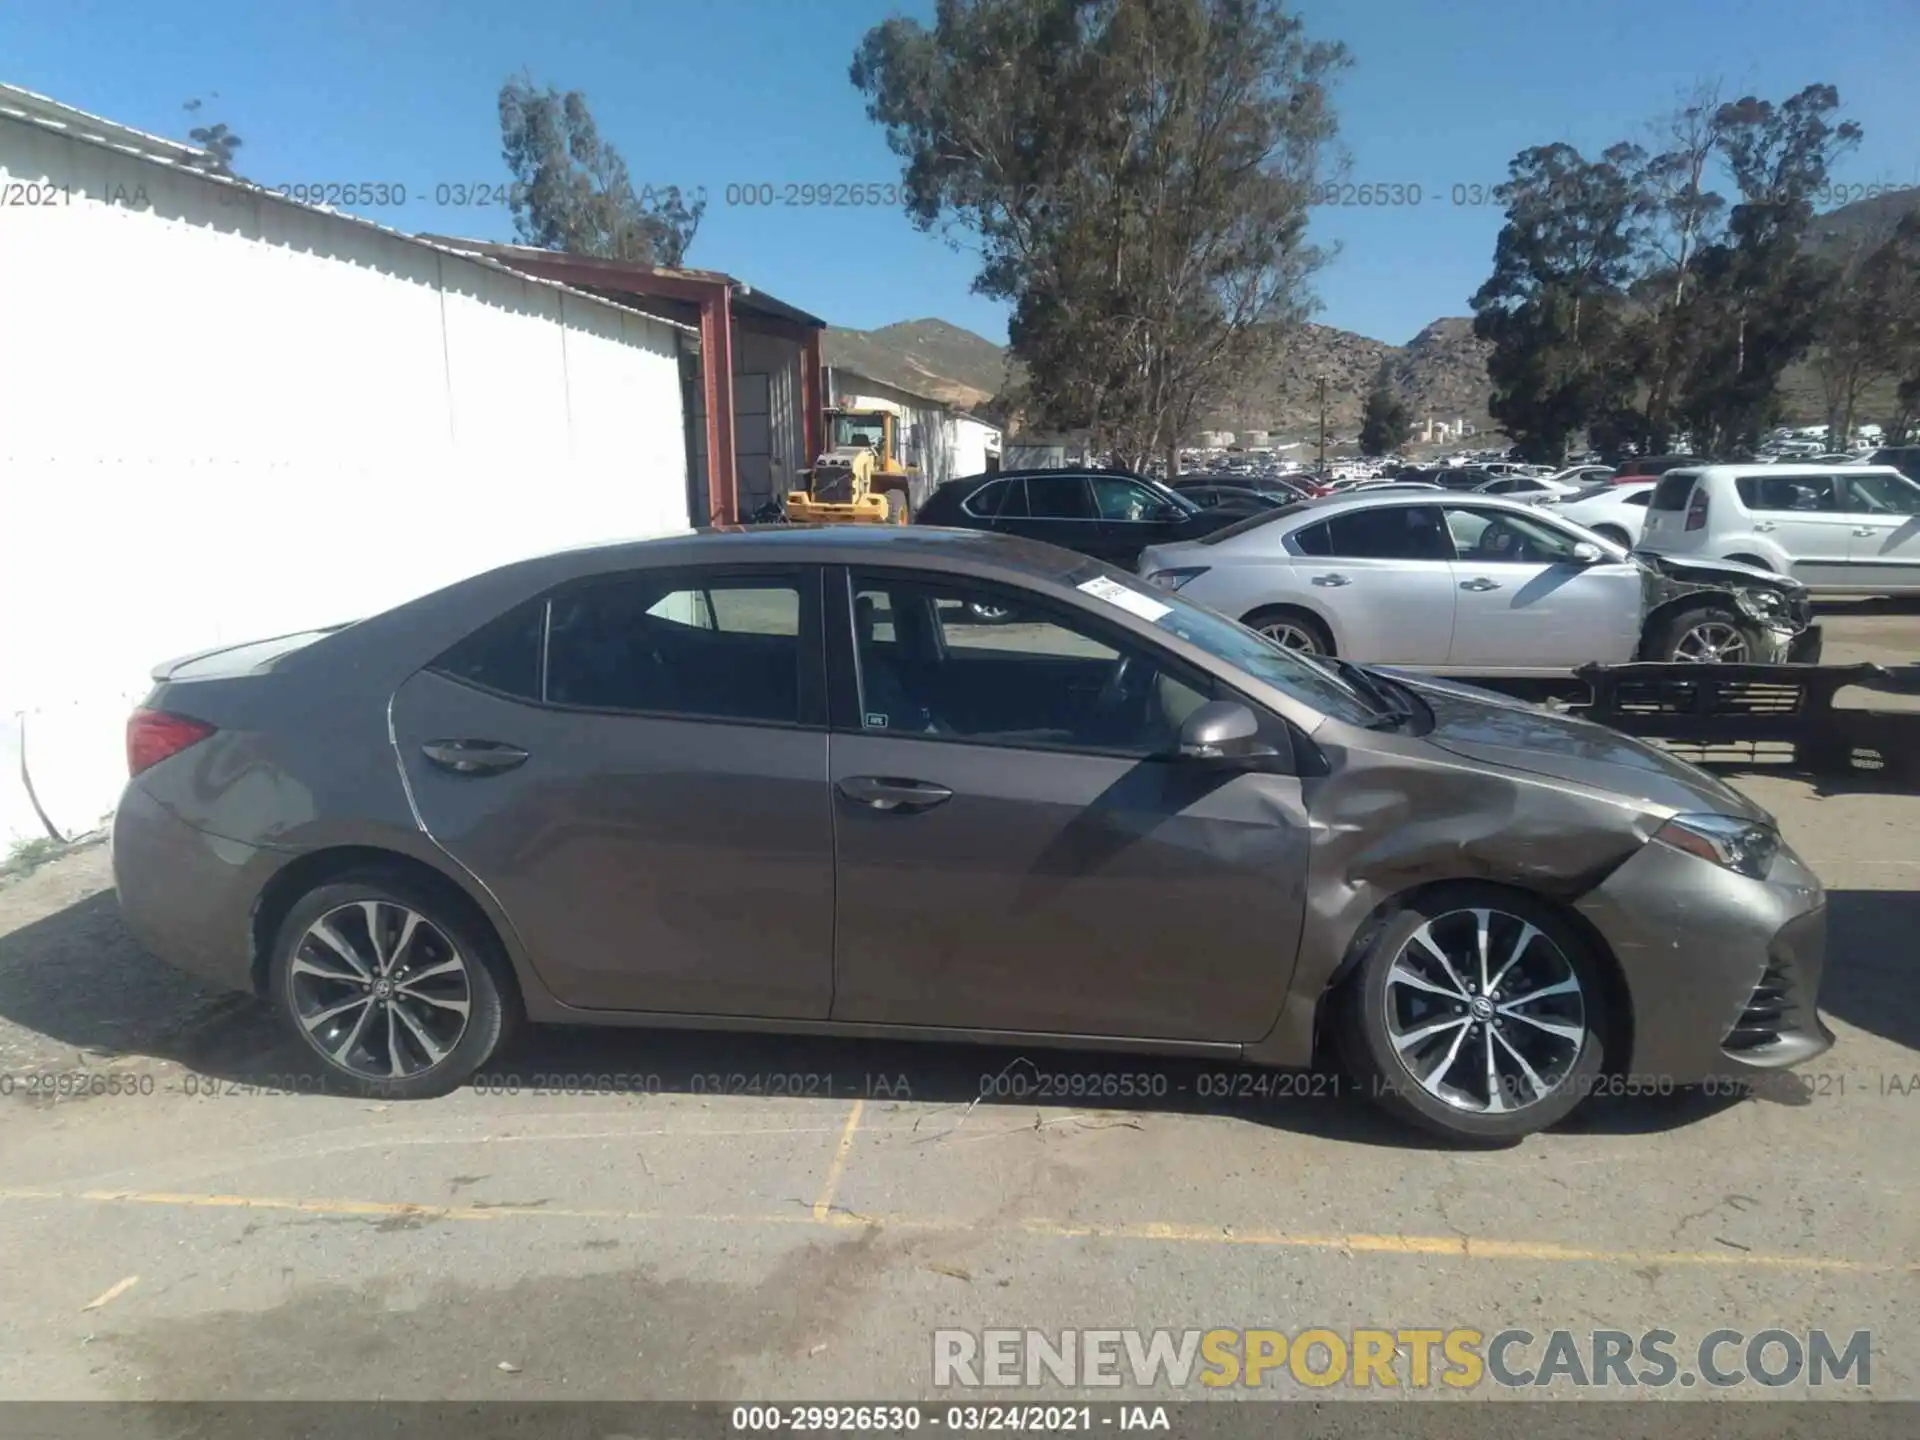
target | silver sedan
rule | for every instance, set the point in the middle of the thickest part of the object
(1475, 585)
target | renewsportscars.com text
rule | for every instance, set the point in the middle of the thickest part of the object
(1398, 1358)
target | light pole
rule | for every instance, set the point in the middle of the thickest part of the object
(1321, 381)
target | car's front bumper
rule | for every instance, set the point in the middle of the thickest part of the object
(1722, 972)
(1806, 647)
(185, 895)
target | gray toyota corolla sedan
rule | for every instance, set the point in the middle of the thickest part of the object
(945, 784)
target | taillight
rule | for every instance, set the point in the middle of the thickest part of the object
(153, 735)
(1697, 509)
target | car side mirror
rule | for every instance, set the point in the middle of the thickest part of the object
(1587, 553)
(1222, 730)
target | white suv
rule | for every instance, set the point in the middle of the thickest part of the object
(1838, 529)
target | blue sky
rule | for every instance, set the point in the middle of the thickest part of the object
(754, 92)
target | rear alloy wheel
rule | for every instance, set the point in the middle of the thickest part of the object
(1292, 630)
(1478, 1014)
(1710, 635)
(390, 988)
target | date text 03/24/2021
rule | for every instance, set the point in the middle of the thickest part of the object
(957, 1419)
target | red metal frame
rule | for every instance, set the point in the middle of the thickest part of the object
(716, 366)
(812, 412)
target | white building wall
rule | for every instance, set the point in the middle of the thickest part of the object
(974, 440)
(223, 416)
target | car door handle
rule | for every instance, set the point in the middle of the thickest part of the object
(879, 792)
(1870, 530)
(474, 757)
(1331, 580)
(1480, 583)
(1764, 526)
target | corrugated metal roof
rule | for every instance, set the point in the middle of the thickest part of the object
(44, 113)
(745, 297)
(50, 114)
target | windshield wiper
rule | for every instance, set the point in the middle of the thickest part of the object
(1391, 711)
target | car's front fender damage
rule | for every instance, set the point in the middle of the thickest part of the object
(1383, 827)
(1779, 609)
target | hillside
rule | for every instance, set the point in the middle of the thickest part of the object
(1863, 223)
(1441, 373)
(928, 357)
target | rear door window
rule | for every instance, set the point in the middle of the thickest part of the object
(1058, 497)
(1390, 532)
(728, 650)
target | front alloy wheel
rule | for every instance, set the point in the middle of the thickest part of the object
(1476, 1012)
(1710, 634)
(392, 988)
(1289, 635)
(1712, 642)
(1484, 1012)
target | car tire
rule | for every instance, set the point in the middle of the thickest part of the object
(420, 1038)
(1381, 1006)
(1615, 534)
(1706, 633)
(1274, 621)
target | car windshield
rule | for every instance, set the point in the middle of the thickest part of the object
(1266, 661)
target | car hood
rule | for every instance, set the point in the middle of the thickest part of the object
(1495, 730)
(1720, 573)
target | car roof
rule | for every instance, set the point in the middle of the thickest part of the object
(394, 643)
(970, 482)
(1784, 468)
(1325, 506)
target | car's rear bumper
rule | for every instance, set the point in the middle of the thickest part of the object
(187, 896)
(1722, 972)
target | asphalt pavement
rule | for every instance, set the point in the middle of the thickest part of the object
(622, 1214)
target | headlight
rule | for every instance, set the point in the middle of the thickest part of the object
(1744, 846)
(1174, 579)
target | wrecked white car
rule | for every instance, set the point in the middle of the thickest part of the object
(1476, 586)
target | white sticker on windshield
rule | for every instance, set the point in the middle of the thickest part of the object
(1132, 601)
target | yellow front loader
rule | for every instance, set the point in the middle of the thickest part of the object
(860, 479)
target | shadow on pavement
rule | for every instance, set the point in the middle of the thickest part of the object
(85, 994)
(1872, 978)
(1885, 780)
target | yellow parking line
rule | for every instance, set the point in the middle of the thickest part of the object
(823, 1207)
(1446, 1246)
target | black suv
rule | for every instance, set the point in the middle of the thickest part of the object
(1111, 515)
(1904, 458)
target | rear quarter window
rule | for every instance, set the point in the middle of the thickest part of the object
(503, 655)
(1672, 491)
